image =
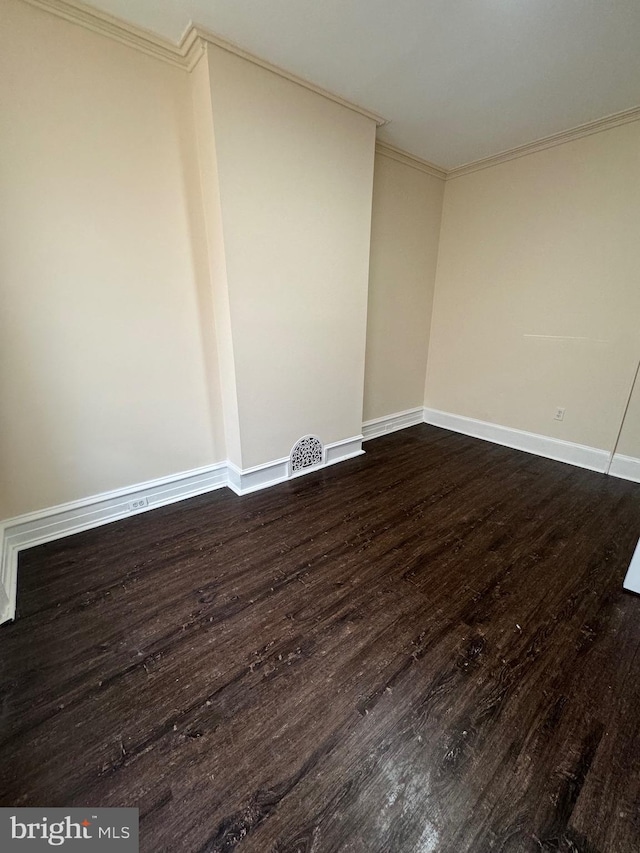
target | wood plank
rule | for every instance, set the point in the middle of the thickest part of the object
(426, 648)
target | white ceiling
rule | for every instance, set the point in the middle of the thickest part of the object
(459, 80)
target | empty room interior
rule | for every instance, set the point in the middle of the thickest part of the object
(320, 423)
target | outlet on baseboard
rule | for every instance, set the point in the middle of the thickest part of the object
(559, 415)
(138, 503)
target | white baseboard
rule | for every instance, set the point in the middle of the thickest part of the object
(36, 528)
(627, 468)
(248, 480)
(390, 423)
(56, 522)
(541, 445)
(340, 451)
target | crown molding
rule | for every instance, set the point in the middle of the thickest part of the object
(230, 47)
(407, 159)
(192, 46)
(185, 54)
(587, 129)
(114, 28)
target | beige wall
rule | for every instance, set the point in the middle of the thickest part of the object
(405, 227)
(213, 285)
(102, 376)
(164, 252)
(295, 178)
(172, 242)
(537, 298)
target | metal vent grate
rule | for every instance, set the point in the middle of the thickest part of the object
(307, 453)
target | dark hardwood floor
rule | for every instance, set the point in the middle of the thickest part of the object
(424, 649)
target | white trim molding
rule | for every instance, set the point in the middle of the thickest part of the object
(391, 423)
(400, 156)
(580, 455)
(192, 45)
(115, 28)
(569, 135)
(36, 528)
(340, 451)
(243, 481)
(627, 468)
(587, 129)
(52, 523)
(246, 480)
(186, 53)
(206, 36)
